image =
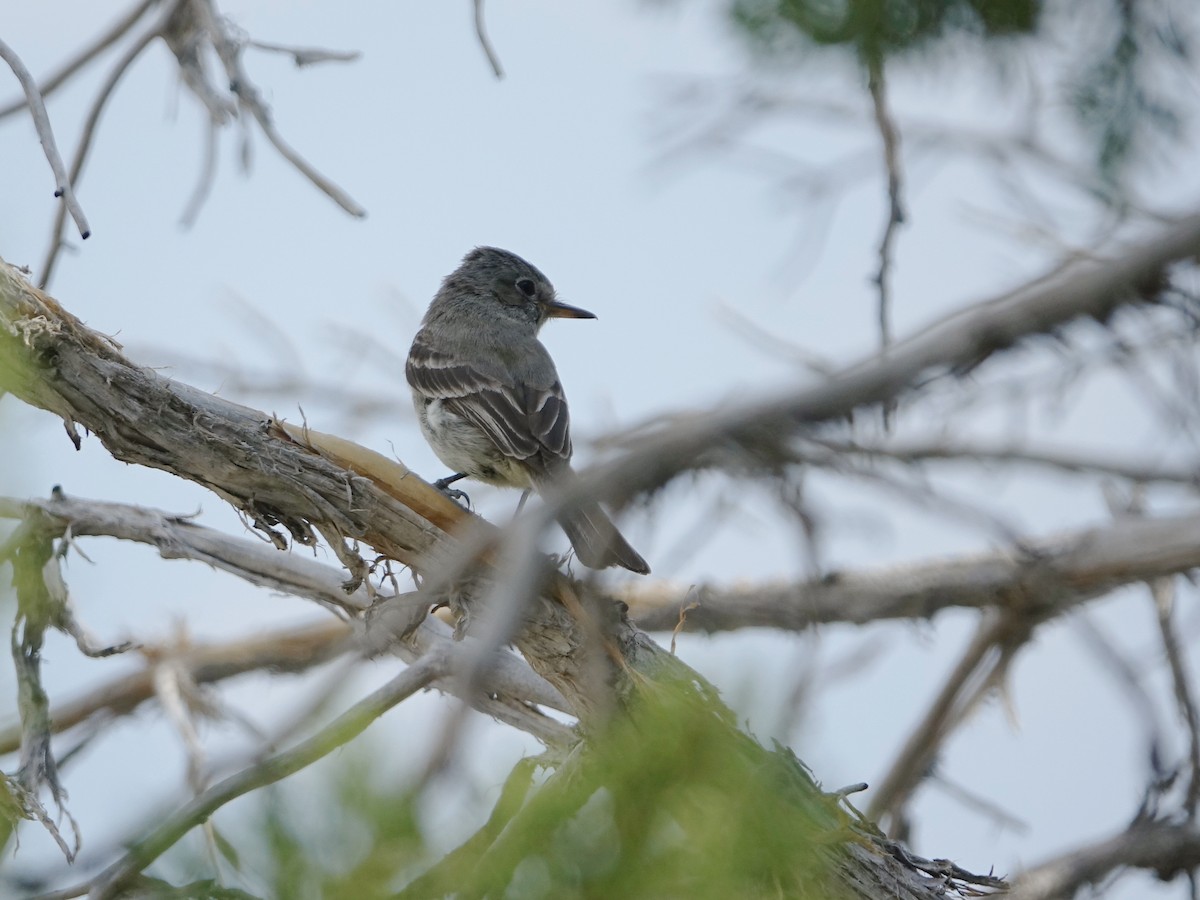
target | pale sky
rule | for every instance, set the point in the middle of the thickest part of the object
(566, 161)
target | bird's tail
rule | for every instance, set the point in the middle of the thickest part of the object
(597, 542)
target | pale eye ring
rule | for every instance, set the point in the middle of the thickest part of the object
(526, 286)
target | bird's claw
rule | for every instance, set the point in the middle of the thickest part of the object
(459, 497)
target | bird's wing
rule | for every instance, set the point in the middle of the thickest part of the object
(525, 422)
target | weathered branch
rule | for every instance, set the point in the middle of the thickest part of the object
(511, 686)
(287, 477)
(293, 650)
(228, 46)
(955, 343)
(1164, 848)
(102, 42)
(189, 28)
(1044, 578)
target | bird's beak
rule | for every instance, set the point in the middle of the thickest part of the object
(557, 310)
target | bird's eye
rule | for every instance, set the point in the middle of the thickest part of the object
(526, 286)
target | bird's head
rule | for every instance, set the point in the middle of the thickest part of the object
(516, 288)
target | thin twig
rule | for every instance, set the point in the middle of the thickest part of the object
(41, 123)
(89, 129)
(307, 56)
(1060, 459)
(229, 51)
(481, 33)
(291, 650)
(83, 57)
(1163, 590)
(1118, 665)
(980, 804)
(982, 664)
(877, 85)
(208, 172)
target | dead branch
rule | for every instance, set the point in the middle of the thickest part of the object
(1164, 848)
(293, 650)
(293, 482)
(41, 123)
(88, 131)
(189, 28)
(228, 46)
(102, 42)
(1044, 578)
(513, 692)
(954, 344)
(307, 56)
(1059, 459)
(980, 670)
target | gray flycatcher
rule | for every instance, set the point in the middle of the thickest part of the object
(488, 397)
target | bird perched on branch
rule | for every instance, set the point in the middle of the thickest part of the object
(488, 397)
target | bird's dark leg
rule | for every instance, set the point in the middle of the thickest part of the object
(521, 503)
(443, 485)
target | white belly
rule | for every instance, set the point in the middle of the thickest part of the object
(465, 448)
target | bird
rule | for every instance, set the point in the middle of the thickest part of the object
(488, 397)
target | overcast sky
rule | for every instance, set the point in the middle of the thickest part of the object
(573, 160)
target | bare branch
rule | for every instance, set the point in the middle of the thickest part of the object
(982, 666)
(293, 650)
(1080, 461)
(511, 687)
(84, 56)
(287, 478)
(1164, 848)
(954, 344)
(88, 131)
(188, 27)
(177, 537)
(1059, 572)
(41, 123)
(229, 51)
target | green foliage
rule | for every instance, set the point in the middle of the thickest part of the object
(352, 836)
(1121, 95)
(674, 802)
(877, 29)
(11, 809)
(1124, 62)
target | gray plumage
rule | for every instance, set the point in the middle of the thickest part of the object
(488, 397)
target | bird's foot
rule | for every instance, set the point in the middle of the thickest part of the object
(459, 497)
